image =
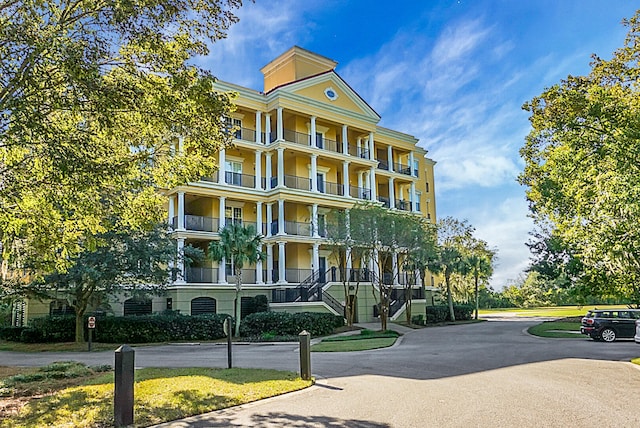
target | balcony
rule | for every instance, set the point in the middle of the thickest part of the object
(386, 202)
(383, 164)
(330, 188)
(297, 228)
(201, 275)
(295, 182)
(402, 168)
(360, 193)
(360, 152)
(238, 179)
(403, 205)
(198, 223)
(295, 276)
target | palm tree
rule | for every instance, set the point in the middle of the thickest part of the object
(448, 261)
(480, 267)
(238, 245)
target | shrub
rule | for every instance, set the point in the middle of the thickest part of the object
(417, 319)
(287, 324)
(12, 334)
(440, 313)
(55, 328)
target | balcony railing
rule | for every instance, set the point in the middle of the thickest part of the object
(297, 228)
(386, 202)
(296, 137)
(290, 275)
(329, 145)
(402, 168)
(360, 192)
(295, 182)
(403, 205)
(360, 152)
(200, 275)
(330, 188)
(211, 179)
(383, 164)
(205, 224)
(238, 179)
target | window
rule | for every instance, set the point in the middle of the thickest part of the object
(232, 123)
(233, 172)
(417, 201)
(233, 215)
(322, 225)
(416, 166)
(203, 305)
(320, 176)
(319, 140)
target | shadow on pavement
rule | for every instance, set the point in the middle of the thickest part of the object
(272, 420)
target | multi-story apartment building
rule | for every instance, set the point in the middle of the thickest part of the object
(306, 144)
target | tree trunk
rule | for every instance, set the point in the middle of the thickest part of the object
(449, 298)
(238, 301)
(476, 278)
(407, 299)
(79, 326)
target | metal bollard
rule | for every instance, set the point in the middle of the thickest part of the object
(305, 355)
(123, 394)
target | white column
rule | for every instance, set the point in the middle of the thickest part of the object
(316, 257)
(281, 217)
(348, 257)
(411, 161)
(222, 271)
(269, 218)
(267, 128)
(314, 173)
(279, 125)
(314, 221)
(258, 127)
(221, 213)
(259, 279)
(412, 196)
(222, 166)
(180, 262)
(392, 193)
(269, 263)
(259, 218)
(359, 146)
(180, 211)
(180, 145)
(345, 143)
(267, 173)
(258, 170)
(345, 179)
(372, 155)
(390, 157)
(394, 267)
(172, 211)
(360, 184)
(373, 262)
(372, 183)
(312, 138)
(282, 279)
(280, 166)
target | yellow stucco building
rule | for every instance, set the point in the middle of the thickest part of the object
(306, 144)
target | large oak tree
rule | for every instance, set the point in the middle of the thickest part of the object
(582, 170)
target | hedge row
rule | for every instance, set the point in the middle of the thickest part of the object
(290, 324)
(440, 313)
(164, 328)
(137, 329)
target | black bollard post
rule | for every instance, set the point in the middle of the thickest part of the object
(228, 331)
(305, 355)
(124, 378)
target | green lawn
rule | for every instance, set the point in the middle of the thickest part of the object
(556, 311)
(161, 395)
(366, 340)
(557, 329)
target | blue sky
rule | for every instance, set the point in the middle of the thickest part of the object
(452, 73)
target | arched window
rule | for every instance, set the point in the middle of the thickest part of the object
(203, 305)
(137, 307)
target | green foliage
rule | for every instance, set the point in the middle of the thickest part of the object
(440, 313)
(290, 324)
(12, 334)
(259, 303)
(418, 320)
(138, 329)
(239, 245)
(581, 170)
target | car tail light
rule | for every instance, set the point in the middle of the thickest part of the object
(588, 321)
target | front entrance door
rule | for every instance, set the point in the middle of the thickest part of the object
(322, 267)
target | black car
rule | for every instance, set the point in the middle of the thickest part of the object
(610, 324)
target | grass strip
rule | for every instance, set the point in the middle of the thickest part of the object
(557, 329)
(353, 345)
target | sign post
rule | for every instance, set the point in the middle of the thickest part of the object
(91, 325)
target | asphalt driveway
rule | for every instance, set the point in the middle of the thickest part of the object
(489, 374)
